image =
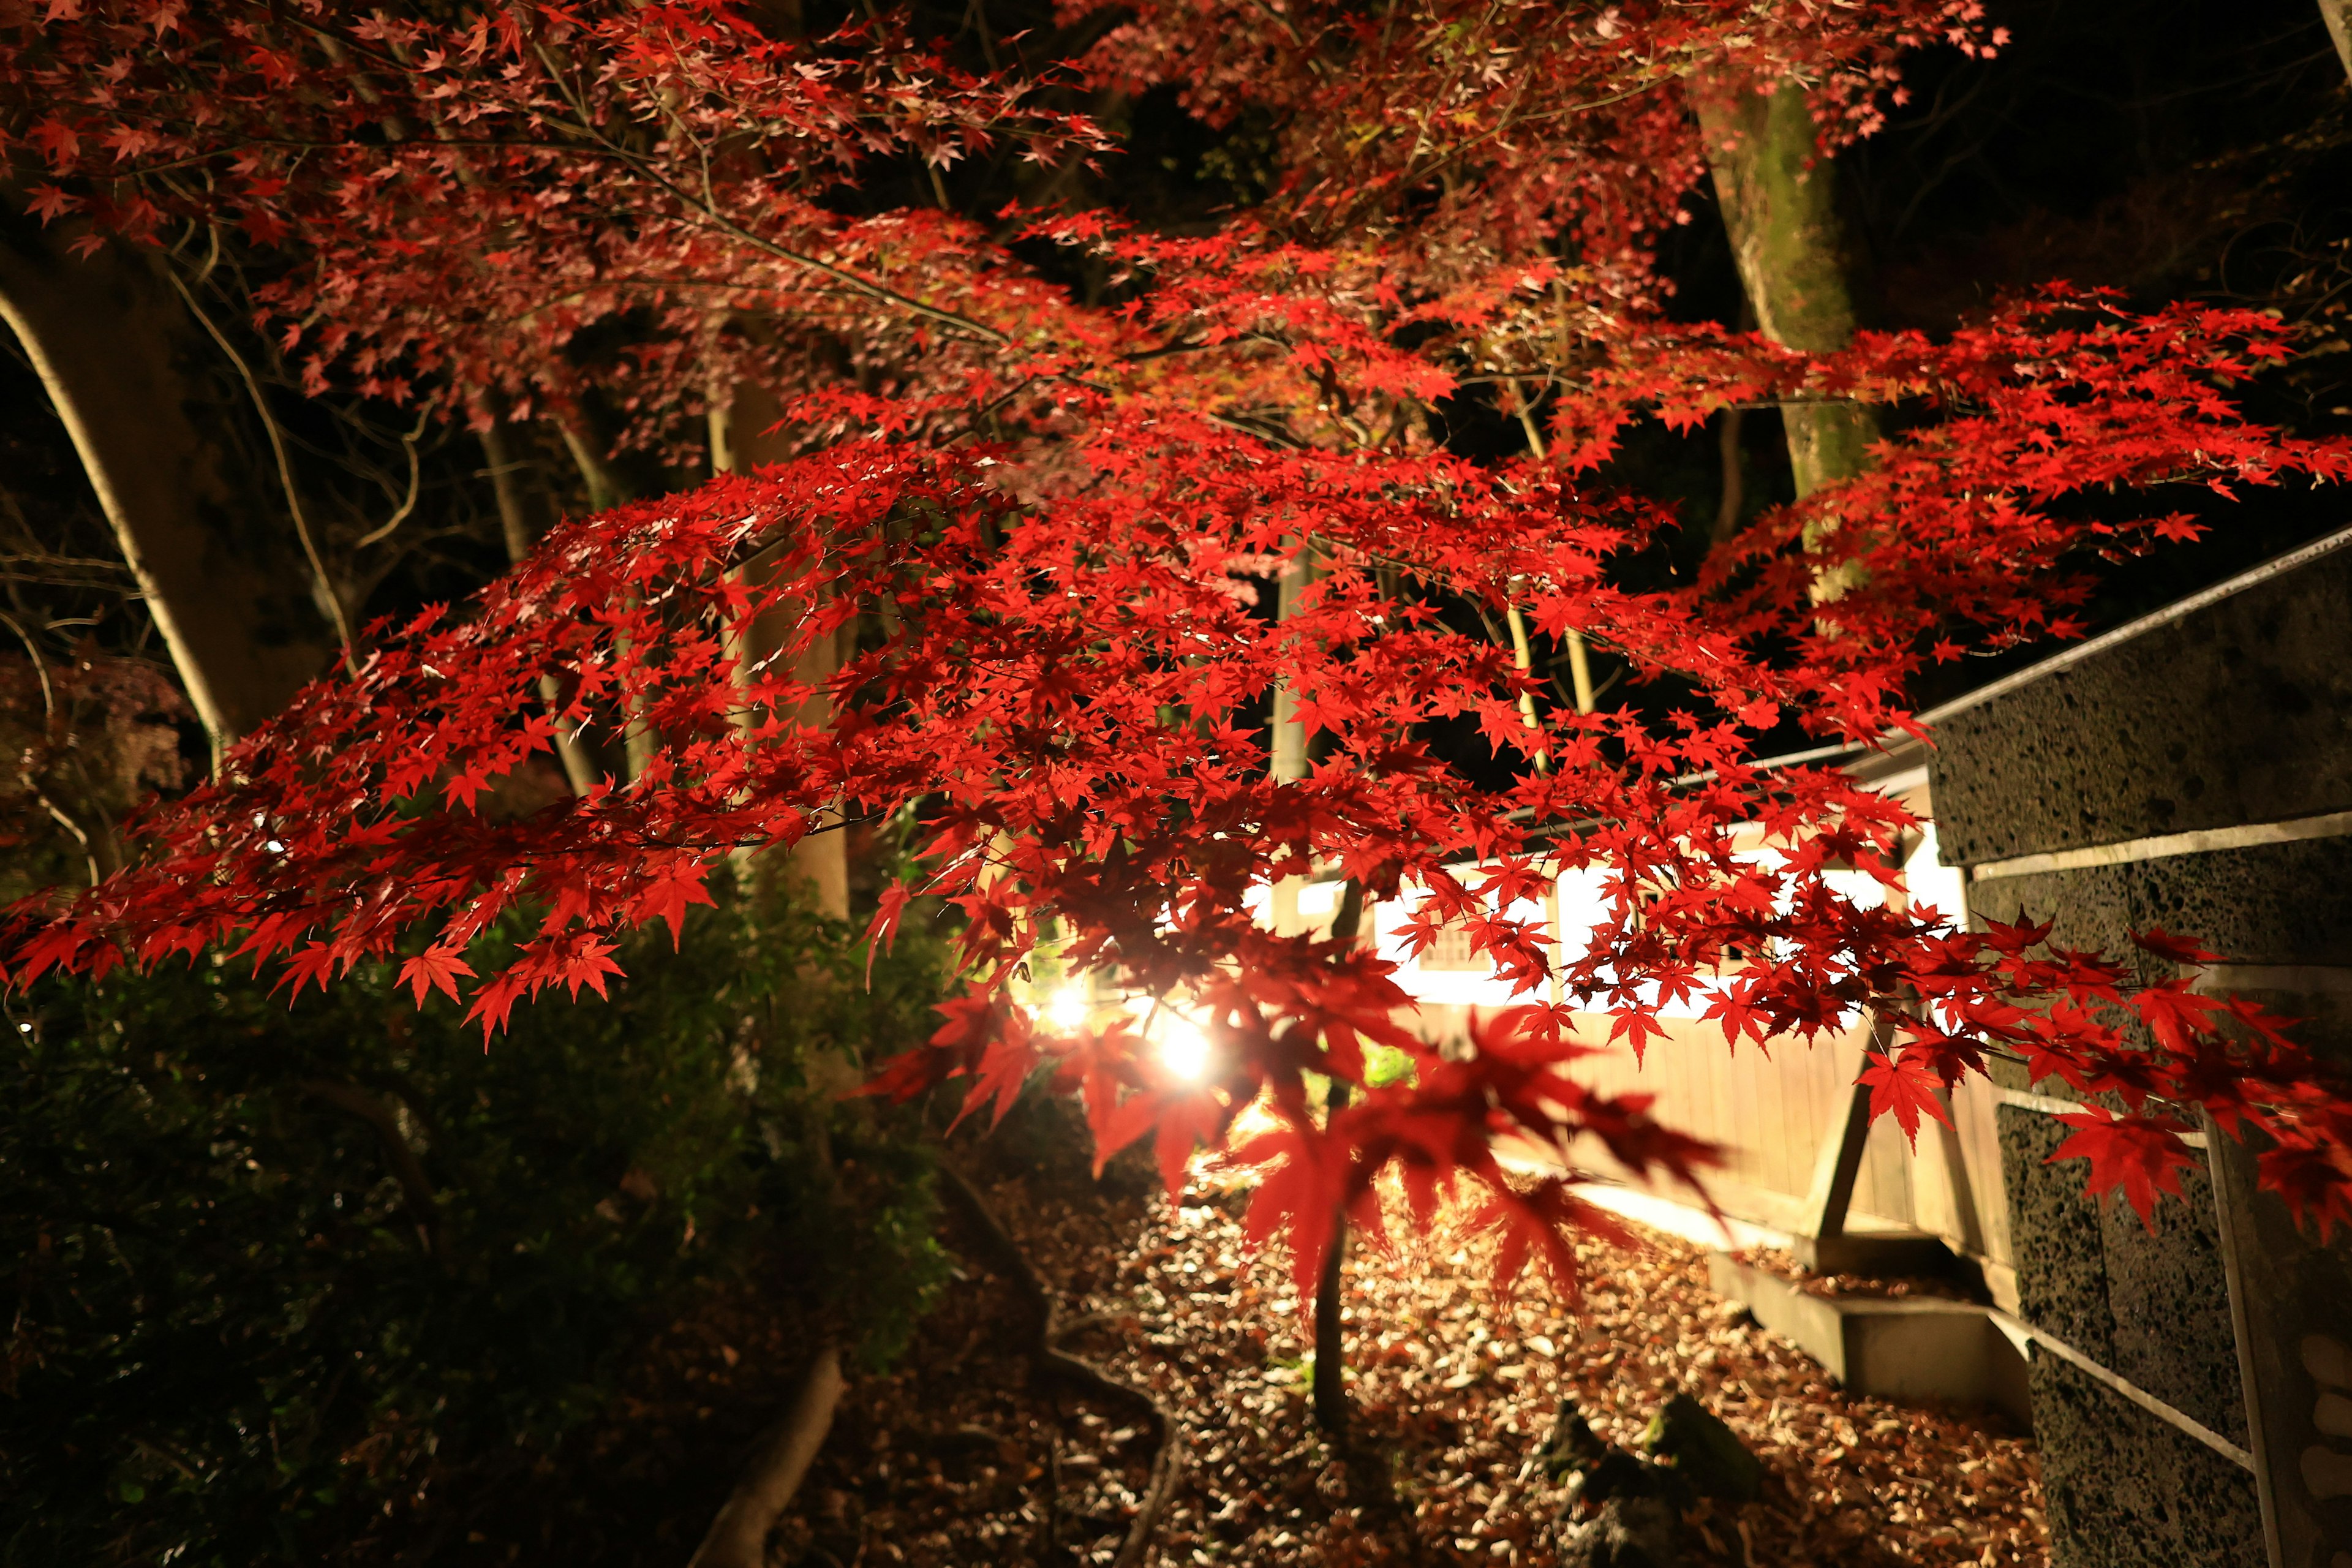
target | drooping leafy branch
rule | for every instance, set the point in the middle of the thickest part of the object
(1053, 533)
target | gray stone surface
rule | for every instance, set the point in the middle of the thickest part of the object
(2153, 1308)
(2125, 1489)
(2297, 1296)
(2094, 908)
(2168, 1301)
(2266, 907)
(2058, 1238)
(2238, 712)
(2272, 903)
(2091, 910)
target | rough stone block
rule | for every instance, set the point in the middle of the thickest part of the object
(2058, 1236)
(2270, 903)
(2239, 711)
(2126, 1488)
(2093, 908)
(2168, 1302)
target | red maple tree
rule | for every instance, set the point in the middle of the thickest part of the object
(1055, 525)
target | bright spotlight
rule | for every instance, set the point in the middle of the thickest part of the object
(1066, 1012)
(1184, 1049)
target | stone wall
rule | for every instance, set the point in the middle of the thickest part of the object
(2187, 772)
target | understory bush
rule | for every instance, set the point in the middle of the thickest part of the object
(334, 1282)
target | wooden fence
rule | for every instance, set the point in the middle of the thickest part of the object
(1771, 1114)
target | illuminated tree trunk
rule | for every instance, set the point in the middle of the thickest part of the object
(1778, 201)
(520, 524)
(607, 489)
(739, 441)
(1290, 762)
(2337, 15)
(119, 357)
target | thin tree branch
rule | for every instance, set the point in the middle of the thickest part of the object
(285, 470)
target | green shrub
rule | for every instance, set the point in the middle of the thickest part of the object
(239, 1335)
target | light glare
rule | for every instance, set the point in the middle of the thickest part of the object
(1067, 1010)
(1184, 1050)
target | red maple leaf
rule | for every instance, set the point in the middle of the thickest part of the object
(437, 968)
(2142, 1156)
(2178, 949)
(1904, 1084)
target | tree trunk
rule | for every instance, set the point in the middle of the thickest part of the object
(520, 523)
(1290, 761)
(1778, 201)
(739, 441)
(738, 1538)
(2337, 15)
(118, 356)
(1330, 1390)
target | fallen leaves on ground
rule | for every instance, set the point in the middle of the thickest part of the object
(1831, 1286)
(955, 1456)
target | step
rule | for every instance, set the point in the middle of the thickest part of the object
(1907, 1348)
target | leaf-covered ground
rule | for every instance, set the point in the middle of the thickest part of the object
(957, 1457)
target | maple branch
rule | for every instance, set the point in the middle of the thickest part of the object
(880, 294)
(1462, 150)
(24, 771)
(415, 483)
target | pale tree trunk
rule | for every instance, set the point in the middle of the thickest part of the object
(1777, 194)
(119, 356)
(1290, 762)
(2337, 15)
(741, 417)
(520, 523)
(739, 442)
(606, 489)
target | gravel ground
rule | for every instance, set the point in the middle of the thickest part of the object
(956, 1457)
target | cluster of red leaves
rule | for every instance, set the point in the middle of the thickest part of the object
(1055, 534)
(1493, 130)
(472, 197)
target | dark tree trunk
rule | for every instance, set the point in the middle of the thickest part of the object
(119, 356)
(1778, 194)
(1330, 1341)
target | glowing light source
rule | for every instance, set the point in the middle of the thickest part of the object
(1067, 1011)
(1184, 1049)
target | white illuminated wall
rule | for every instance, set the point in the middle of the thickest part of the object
(1582, 907)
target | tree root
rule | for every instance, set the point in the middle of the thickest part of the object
(1052, 1360)
(738, 1538)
